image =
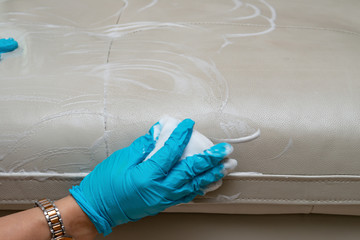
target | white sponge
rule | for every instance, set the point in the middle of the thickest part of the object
(198, 143)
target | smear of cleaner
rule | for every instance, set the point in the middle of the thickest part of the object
(197, 144)
(7, 45)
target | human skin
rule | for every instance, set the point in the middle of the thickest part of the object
(32, 225)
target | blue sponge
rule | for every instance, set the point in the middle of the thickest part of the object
(8, 45)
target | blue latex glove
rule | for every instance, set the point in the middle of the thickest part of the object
(123, 188)
(7, 45)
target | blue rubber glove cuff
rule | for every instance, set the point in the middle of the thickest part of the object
(101, 224)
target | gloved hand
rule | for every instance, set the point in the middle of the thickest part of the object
(123, 188)
(7, 45)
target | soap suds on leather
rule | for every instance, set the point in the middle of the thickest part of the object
(198, 143)
(185, 71)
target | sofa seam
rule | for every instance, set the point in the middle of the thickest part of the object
(27, 179)
(293, 180)
(277, 26)
(290, 199)
(237, 200)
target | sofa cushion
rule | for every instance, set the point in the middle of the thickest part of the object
(90, 77)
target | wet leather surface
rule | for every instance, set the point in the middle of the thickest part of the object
(89, 77)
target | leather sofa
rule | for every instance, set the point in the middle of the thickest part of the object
(277, 79)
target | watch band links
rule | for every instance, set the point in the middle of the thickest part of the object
(53, 218)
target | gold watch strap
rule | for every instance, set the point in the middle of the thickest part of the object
(53, 218)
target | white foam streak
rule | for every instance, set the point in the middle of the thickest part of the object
(256, 13)
(237, 4)
(238, 140)
(153, 3)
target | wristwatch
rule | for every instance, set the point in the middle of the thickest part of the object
(53, 218)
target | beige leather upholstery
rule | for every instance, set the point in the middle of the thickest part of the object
(219, 226)
(91, 76)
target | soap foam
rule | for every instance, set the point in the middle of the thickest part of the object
(198, 143)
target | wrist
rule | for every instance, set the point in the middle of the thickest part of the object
(76, 222)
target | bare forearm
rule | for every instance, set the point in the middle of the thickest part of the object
(76, 222)
(31, 224)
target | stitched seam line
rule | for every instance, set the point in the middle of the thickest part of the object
(289, 199)
(294, 180)
(277, 26)
(269, 200)
(47, 180)
(26, 179)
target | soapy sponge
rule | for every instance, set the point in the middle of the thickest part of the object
(197, 144)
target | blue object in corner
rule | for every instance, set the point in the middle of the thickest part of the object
(8, 45)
